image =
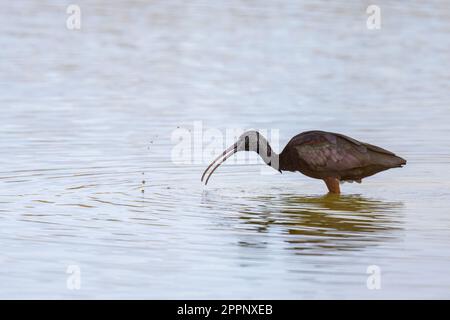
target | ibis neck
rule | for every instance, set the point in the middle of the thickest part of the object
(265, 151)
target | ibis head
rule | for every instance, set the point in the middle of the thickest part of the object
(248, 141)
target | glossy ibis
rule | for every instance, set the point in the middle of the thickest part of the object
(331, 157)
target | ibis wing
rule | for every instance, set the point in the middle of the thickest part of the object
(367, 145)
(332, 153)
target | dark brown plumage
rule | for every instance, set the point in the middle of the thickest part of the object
(332, 157)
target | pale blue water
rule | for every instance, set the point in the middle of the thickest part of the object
(87, 115)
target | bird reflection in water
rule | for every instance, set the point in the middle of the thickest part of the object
(318, 224)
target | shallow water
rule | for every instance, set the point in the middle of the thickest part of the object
(87, 117)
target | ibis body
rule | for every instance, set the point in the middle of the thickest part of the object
(331, 157)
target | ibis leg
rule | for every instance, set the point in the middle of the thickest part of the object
(332, 185)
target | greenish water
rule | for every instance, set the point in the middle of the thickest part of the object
(88, 115)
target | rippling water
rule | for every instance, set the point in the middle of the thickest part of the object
(86, 176)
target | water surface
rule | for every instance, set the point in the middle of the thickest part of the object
(87, 117)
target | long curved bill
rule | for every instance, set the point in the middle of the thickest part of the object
(223, 157)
